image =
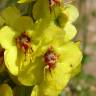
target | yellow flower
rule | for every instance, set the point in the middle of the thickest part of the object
(43, 52)
(57, 76)
(13, 36)
(45, 33)
(17, 32)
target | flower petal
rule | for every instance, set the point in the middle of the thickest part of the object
(46, 31)
(10, 15)
(10, 58)
(55, 80)
(61, 20)
(51, 32)
(52, 86)
(35, 91)
(32, 74)
(72, 12)
(24, 1)
(70, 57)
(7, 37)
(41, 9)
(70, 32)
(5, 90)
(23, 24)
(76, 70)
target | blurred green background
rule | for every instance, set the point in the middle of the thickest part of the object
(84, 84)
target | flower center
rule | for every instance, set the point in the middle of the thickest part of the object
(23, 42)
(54, 2)
(50, 58)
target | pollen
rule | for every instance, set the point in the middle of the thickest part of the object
(54, 2)
(50, 58)
(23, 42)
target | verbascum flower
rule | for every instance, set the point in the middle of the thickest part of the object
(36, 69)
(20, 37)
(43, 52)
(63, 17)
(15, 39)
(56, 42)
(48, 33)
(60, 65)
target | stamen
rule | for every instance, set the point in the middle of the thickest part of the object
(50, 58)
(23, 42)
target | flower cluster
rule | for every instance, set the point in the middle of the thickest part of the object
(39, 50)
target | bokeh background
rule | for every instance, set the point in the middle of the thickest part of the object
(84, 84)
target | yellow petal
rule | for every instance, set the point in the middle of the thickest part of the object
(23, 23)
(72, 12)
(7, 37)
(32, 74)
(51, 86)
(24, 1)
(10, 15)
(41, 9)
(70, 32)
(70, 58)
(35, 91)
(10, 58)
